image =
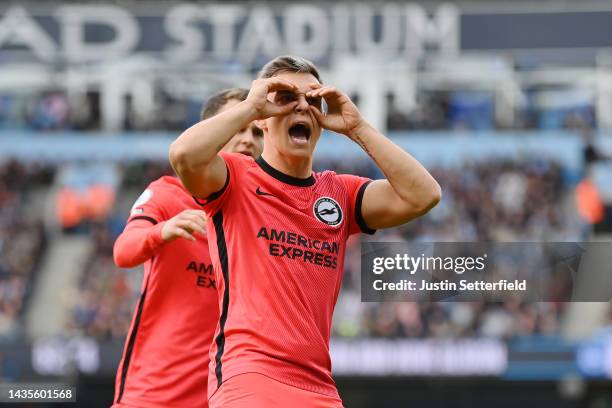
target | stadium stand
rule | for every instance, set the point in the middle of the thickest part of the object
(22, 239)
(539, 210)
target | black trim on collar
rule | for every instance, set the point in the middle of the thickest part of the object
(285, 178)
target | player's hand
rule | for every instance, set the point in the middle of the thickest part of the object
(183, 225)
(342, 115)
(258, 97)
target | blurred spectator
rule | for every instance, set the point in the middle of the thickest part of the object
(471, 111)
(22, 241)
(50, 111)
(106, 294)
(87, 193)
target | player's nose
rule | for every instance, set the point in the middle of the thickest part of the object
(302, 105)
(247, 140)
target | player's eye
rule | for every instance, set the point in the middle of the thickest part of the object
(316, 102)
(284, 97)
(257, 132)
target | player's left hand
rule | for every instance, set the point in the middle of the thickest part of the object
(342, 115)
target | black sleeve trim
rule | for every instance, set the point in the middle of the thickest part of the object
(144, 217)
(358, 215)
(216, 194)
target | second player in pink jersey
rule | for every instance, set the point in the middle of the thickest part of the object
(165, 359)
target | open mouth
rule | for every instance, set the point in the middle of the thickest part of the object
(300, 133)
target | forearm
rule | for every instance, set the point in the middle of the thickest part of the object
(197, 146)
(409, 179)
(137, 244)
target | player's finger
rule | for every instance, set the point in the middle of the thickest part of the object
(200, 216)
(319, 116)
(190, 226)
(194, 226)
(275, 84)
(195, 215)
(328, 92)
(197, 221)
(200, 221)
(318, 90)
(314, 85)
(275, 110)
(184, 214)
(184, 234)
(196, 212)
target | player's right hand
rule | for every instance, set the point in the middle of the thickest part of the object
(183, 225)
(258, 97)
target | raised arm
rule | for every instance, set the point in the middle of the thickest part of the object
(194, 155)
(142, 239)
(409, 190)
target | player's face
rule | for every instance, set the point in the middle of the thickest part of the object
(248, 141)
(296, 133)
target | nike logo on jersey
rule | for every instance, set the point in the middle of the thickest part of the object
(263, 193)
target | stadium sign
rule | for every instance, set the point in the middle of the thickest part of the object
(225, 33)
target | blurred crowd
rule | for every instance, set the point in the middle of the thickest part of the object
(22, 240)
(497, 200)
(106, 294)
(475, 110)
(490, 201)
(440, 110)
(54, 110)
(445, 320)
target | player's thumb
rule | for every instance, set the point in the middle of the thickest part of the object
(282, 110)
(319, 116)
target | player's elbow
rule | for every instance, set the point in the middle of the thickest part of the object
(121, 255)
(426, 200)
(434, 195)
(120, 260)
(186, 163)
(179, 158)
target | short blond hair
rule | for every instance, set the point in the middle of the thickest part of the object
(289, 63)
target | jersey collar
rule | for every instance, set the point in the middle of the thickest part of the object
(285, 178)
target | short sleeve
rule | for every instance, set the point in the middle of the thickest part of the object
(150, 205)
(216, 200)
(355, 187)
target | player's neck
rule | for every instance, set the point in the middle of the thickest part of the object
(299, 167)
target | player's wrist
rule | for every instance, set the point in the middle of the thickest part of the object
(361, 130)
(250, 111)
(161, 233)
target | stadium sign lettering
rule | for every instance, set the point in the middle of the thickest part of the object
(242, 33)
